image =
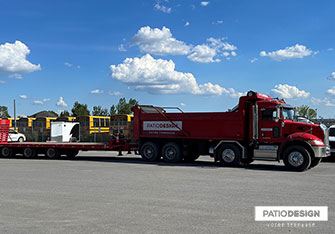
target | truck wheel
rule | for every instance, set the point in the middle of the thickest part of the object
(315, 162)
(7, 152)
(297, 158)
(72, 153)
(229, 155)
(52, 153)
(171, 152)
(29, 153)
(150, 152)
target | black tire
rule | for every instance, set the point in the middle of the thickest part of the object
(72, 153)
(7, 152)
(229, 155)
(172, 152)
(150, 151)
(20, 139)
(297, 158)
(29, 152)
(315, 162)
(52, 153)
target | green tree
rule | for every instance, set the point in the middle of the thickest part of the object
(53, 112)
(79, 109)
(64, 113)
(306, 112)
(4, 112)
(99, 111)
(112, 110)
(124, 107)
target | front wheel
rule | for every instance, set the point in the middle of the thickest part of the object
(297, 158)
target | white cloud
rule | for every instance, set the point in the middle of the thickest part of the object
(162, 8)
(78, 67)
(297, 51)
(16, 76)
(68, 64)
(329, 102)
(158, 76)
(331, 76)
(331, 91)
(46, 100)
(159, 41)
(23, 96)
(187, 24)
(13, 58)
(253, 60)
(2, 82)
(122, 48)
(97, 91)
(205, 53)
(61, 102)
(330, 49)
(203, 3)
(114, 93)
(182, 104)
(316, 101)
(38, 102)
(289, 92)
(218, 22)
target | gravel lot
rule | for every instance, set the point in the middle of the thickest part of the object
(102, 193)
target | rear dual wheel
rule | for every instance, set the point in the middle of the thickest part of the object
(7, 152)
(172, 152)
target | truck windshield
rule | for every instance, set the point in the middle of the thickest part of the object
(288, 113)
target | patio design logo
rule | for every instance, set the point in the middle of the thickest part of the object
(291, 213)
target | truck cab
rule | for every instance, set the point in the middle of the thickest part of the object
(278, 135)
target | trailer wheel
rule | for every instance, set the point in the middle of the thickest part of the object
(297, 158)
(171, 152)
(72, 153)
(150, 151)
(52, 153)
(29, 152)
(229, 155)
(7, 152)
(315, 162)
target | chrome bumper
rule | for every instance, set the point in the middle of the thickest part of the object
(321, 152)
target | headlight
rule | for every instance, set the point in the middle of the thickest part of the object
(317, 143)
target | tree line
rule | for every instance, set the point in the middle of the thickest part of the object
(123, 107)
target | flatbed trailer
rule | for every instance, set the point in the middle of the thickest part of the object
(54, 150)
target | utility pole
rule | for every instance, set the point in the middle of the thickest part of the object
(14, 114)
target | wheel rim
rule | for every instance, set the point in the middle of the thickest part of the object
(228, 155)
(296, 159)
(21, 140)
(170, 153)
(51, 153)
(28, 152)
(149, 152)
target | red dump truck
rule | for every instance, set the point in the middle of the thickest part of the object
(258, 128)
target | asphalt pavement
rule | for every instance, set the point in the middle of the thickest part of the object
(99, 192)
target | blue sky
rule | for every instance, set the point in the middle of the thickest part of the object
(198, 55)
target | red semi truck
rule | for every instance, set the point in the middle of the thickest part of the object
(258, 128)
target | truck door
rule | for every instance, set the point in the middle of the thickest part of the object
(269, 125)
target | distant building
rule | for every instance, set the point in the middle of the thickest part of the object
(43, 114)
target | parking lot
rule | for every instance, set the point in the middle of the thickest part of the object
(102, 193)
